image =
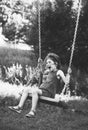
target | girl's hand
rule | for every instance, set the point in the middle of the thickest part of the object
(40, 60)
(69, 71)
(68, 76)
(60, 74)
(67, 79)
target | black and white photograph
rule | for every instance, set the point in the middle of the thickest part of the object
(43, 64)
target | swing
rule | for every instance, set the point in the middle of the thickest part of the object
(53, 101)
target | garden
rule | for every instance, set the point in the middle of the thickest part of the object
(56, 26)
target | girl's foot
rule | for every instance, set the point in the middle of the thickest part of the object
(31, 114)
(15, 108)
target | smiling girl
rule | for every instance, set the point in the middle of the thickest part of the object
(48, 88)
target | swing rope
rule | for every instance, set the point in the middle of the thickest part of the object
(73, 45)
(75, 34)
(39, 28)
(72, 50)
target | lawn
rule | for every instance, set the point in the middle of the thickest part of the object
(47, 117)
(9, 56)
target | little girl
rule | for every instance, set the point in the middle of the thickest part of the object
(50, 83)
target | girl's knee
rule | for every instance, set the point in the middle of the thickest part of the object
(34, 91)
(37, 91)
(26, 90)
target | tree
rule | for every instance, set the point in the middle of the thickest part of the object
(57, 31)
(81, 49)
(19, 20)
(58, 22)
(56, 28)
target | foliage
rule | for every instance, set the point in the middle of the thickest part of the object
(10, 56)
(9, 31)
(58, 22)
(56, 28)
(20, 18)
(57, 32)
(82, 39)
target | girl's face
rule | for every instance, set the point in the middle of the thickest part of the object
(51, 64)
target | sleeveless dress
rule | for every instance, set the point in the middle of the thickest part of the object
(50, 84)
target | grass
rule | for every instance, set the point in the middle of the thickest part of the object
(9, 56)
(47, 117)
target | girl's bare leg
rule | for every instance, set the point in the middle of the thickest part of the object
(24, 96)
(35, 96)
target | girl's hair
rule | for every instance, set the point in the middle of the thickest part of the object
(54, 57)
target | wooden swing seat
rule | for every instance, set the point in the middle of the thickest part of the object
(51, 101)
